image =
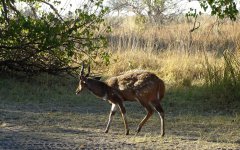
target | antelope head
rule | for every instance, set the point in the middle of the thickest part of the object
(82, 79)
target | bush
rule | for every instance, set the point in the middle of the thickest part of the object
(34, 40)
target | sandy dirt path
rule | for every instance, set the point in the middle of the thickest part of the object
(30, 127)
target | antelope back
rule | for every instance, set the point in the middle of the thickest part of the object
(138, 85)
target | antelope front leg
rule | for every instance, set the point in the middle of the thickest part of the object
(112, 112)
(123, 112)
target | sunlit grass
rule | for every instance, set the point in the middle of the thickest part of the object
(211, 36)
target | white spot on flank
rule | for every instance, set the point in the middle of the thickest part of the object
(105, 97)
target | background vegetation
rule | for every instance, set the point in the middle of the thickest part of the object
(205, 61)
(196, 56)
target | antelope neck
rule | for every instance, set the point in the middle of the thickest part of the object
(98, 88)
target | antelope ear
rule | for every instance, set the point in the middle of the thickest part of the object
(97, 78)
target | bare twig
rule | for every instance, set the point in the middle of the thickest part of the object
(194, 24)
(53, 8)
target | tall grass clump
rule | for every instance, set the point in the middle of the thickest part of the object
(224, 80)
(176, 68)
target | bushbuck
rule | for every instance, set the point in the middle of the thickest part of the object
(141, 86)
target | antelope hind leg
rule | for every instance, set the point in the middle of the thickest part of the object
(160, 111)
(149, 114)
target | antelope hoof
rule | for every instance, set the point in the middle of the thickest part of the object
(127, 132)
(162, 134)
(138, 129)
(106, 131)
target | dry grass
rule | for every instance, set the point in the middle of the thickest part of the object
(173, 67)
(211, 36)
(205, 57)
(169, 51)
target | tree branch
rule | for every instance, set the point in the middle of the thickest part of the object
(53, 8)
(14, 8)
(5, 11)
